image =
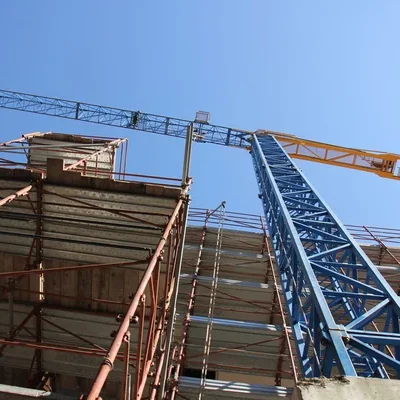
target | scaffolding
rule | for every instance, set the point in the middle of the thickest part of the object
(113, 286)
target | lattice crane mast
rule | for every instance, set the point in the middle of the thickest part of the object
(344, 315)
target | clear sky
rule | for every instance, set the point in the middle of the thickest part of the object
(328, 71)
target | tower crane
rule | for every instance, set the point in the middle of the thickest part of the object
(344, 315)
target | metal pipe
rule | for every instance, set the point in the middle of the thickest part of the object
(156, 383)
(139, 344)
(107, 147)
(213, 296)
(16, 330)
(185, 182)
(124, 326)
(174, 299)
(190, 305)
(188, 153)
(72, 268)
(62, 349)
(73, 334)
(11, 197)
(129, 388)
(66, 240)
(285, 331)
(125, 379)
(148, 364)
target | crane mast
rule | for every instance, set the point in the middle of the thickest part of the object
(335, 296)
(344, 315)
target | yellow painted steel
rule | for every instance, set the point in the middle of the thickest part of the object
(386, 165)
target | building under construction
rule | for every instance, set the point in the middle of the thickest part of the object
(115, 287)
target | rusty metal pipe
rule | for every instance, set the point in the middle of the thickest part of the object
(139, 343)
(147, 366)
(62, 349)
(11, 197)
(156, 383)
(174, 300)
(125, 379)
(124, 326)
(72, 268)
(107, 146)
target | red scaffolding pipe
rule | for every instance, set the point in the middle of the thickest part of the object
(125, 324)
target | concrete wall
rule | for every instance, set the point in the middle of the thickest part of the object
(347, 389)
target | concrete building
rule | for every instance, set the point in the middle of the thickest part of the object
(91, 259)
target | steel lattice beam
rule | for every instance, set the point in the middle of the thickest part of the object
(110, 116)
(344, 315)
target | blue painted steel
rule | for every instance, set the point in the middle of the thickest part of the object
(344, 315)
(135, 120)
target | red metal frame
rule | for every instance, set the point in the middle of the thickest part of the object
(146, 346)
(247, 222)
(142, 314)
(148, 316)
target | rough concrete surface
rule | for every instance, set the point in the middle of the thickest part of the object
(347, 388)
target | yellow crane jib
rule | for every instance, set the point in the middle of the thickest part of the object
(386, 165)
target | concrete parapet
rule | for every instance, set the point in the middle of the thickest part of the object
(347, 388)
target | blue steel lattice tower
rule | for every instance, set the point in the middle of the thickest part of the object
(336, 298)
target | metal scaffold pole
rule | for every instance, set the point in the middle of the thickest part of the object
(174, 299)
(213, 296)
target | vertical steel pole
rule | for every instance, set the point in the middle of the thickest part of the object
(39, 265)
(187, 155)
(108, 362)
(125, 379)
(174, 299)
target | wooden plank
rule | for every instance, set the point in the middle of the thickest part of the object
(95, 292)
(69, 281)
(22, 282)
(131, 281)
(52, 283)
(84, 288)
(101, 280)
(116, 288)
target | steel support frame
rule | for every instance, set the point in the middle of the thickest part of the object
(277, 304)
(335, 296)
(21, 146)
(152, 317)
(134, 120)
(179, 353)
(146, 355)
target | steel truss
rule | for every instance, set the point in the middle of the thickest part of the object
(381, 163)
(123, 118)
(344, 315)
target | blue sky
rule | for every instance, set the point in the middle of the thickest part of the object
(328, 72)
